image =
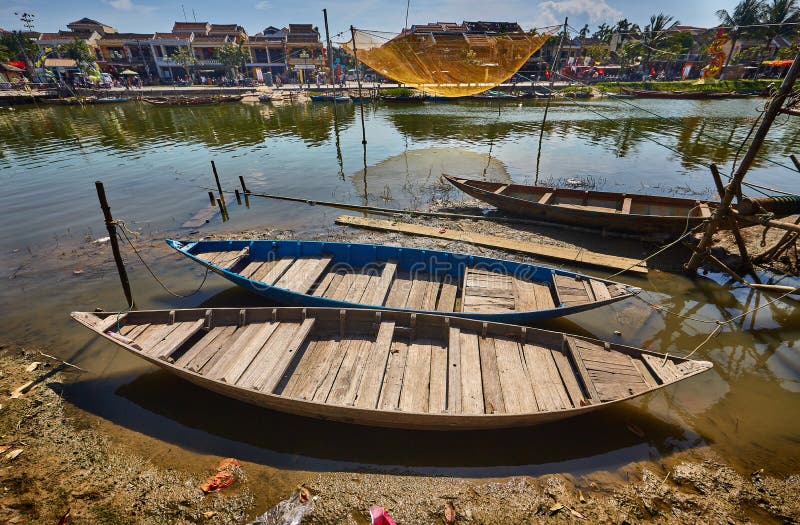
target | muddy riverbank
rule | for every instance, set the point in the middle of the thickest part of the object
(56, 461)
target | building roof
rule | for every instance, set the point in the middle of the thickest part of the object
(126, 36)
(227, 28)
(87, 21)
(191, 27)
(171, 36)
(492, 27)
(59, 62)
(203, 39)
(301, 28)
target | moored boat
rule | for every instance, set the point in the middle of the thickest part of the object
(690, 95)
(329, 98)
(183, 100)
(389, 368)
(616, 212)
(347, 275)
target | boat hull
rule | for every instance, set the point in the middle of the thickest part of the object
(430, 265)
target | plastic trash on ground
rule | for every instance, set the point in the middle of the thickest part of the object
(380, 516)
(289, 511)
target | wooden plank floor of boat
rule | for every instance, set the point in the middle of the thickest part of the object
(479, 290)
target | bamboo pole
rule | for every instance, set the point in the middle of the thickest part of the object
(112, 234)
(722, 211)
(331, 80)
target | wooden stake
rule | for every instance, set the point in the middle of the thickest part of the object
(245, 191)
(112, 234)
(796, 162)
(222, 210)
(216, 177)
(724, 209)
(238, 196)
(211, 198)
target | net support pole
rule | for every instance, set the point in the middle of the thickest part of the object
(330, 55)
(723, 210)
(111, 226)
(360, 98)
(549, 97)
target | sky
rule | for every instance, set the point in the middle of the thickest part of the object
(147, 16)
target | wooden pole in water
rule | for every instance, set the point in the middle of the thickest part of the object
(360, 98)
(556, 61)
(221, 199)
(238, 196)
(331, 80)
(111, 226)
(723, 210)
(245, 191)
(211, 198)
(222, 210)
(796, 162)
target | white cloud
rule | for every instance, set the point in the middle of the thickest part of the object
(124, 5)
(552, 12)
(263, 4)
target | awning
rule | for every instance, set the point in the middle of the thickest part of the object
(777, 63)
(59, 62)
(9, 67)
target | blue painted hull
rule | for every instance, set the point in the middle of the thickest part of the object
(349, 255)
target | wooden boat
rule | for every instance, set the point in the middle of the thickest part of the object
(182, 100)
(619, 212)
(348, 275)
(690, 95)
(329, 98)
(111, 100)
(620, 95)
(389, 368)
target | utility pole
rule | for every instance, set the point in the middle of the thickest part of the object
(734, 187)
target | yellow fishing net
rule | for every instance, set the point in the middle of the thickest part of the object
(453, 62)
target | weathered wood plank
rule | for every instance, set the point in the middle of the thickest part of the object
(199, 347)
(524, 295)
(588, 385)
(237, 366)
(347, 380)
(375, 368)
(278, 269)
(287, 355)
(340, 292)
(518, 393)
(471, 382)
(548, 388)
(251, 268)
(376, 295)
(626, 205)
(568, 378)
(393, 380)
(600, 290)
(438, 396)
(263, 270)
(662, 370)
(571, 255)
(248, 344)
(447, 297)
(334, 363)
(217, 350)
(492, 389)
(416, 295)
(647, 376)
(454, 371)
(398, 293)
(544, 296)
(176, 339)
(304, 370)
(415, 395)
(265, 360)
(358, 288)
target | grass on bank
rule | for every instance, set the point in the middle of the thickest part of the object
(690, 85)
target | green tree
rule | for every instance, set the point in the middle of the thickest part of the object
(626, 30)
(746, 14)
(597, 53)
(18, 45)
(628, 55)
(79, 51)
(780, 18)
(184, 58)
(604, 33)
(656, 34)
(231, 55)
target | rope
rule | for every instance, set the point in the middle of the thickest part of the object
(124, 229)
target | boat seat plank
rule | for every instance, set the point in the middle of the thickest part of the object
(518, 394)
(217, 350)
(437, 403)
(471, 382)
(393, 380)
(111, 322)
(208, 256)
(546, 198)
(705, 211)
(454, 371)
(358, 288)
(586, 207)
(176, 339)
(200, 351)
(568, 378)
(345, 386)
(544, 296)
(369, 389)
(247, 353)
(588, 385)
(322, 358)
(614, 391)
(398, 293)
(277, 270)
(287, 356)
(340, 291)
(136, 330)
(154, 335)
(238, 257)
(544, 378)
(447, 296)
(490, 376)
(304, 371)
(600, 290)
(626, 205)
(337, 352)
(647, 376)
(251, 268)
(664, 372)
(303, 273)
(501, 189)
(323, 285)
(250, 340)
(378, 289)
(524, 295)
(264, 360)
(416, 295)
(415, 394)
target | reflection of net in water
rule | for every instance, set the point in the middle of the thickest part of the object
(450, 63)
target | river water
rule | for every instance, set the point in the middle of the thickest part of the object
(154, 162)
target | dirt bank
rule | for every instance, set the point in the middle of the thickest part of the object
(66, 465)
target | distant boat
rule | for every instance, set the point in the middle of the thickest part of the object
(620, 95)
(111, 100)
(688, 95)
(330, 98)
(184, 100)
(620, 212)
(349, 275)
(493, 94)
(389, 368)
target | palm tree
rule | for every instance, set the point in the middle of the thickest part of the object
(746, 14)
(779, 17)
(656, 33)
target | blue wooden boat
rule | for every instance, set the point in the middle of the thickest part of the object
(348, 275)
